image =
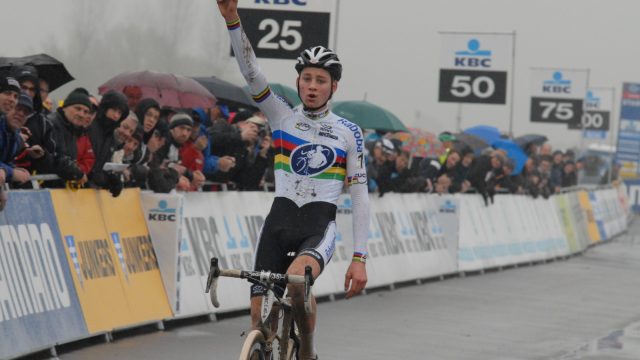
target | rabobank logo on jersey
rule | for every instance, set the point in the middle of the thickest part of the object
(163, 212)
(557, 85)
(473, 56)
(312, 159)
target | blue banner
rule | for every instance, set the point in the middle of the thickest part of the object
(628, 146)
(38, 302)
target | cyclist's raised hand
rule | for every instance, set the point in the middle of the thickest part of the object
(228, 9)
(356, 279)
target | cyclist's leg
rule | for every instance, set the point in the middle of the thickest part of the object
(306, 322)
(315, 251)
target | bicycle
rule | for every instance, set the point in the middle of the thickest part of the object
(259, 343)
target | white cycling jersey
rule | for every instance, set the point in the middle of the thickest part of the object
(315, 152)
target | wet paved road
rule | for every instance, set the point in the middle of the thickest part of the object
(586, 307)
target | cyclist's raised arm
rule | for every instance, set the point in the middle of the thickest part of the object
(272, 106)
(356, 277)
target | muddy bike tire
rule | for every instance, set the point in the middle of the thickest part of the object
(253, 347)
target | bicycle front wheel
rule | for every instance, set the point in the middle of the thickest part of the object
(253, 347)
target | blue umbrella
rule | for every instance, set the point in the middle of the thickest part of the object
(487, 133)
(514, 152)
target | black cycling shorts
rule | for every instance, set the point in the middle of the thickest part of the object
(290, 231)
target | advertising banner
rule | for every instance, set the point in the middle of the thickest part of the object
(579, 220)
(281, 29)
(163, 213)
(38, 302)
(474, 67)
(628, 146)
(136, 258)
(557, 96)
(92, 258)
(592, 226)
(566, 220)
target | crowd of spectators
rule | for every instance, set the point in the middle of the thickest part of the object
(123, 141)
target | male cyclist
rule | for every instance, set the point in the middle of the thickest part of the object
(315, 151)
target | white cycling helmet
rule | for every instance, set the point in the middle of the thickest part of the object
(320, 57)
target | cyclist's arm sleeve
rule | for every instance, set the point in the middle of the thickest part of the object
(271, 105)
(357, 179)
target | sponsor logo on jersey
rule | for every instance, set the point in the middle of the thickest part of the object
(328, 135)
(303, 126)
(326, 128)
(357, 134)
(359, 178)
(312, 159)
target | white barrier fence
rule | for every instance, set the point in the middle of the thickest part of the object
(411, 236)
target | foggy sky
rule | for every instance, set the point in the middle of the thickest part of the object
(390, 49)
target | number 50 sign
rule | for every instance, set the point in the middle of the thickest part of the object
(281, 29)
(474, 67)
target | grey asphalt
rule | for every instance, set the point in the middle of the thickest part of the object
(584, 307)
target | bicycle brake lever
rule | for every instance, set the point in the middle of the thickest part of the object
(308, 282)
(212, 282)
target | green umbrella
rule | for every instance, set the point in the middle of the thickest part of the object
(289, 94)
(368, 115)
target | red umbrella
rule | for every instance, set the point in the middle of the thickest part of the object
(167, 89)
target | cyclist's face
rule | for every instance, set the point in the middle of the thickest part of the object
(315, 87)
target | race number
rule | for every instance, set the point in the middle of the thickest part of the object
(471, 86)
(284, 34)
(564, 111)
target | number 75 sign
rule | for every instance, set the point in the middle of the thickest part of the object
(557, 96)
(281, 29)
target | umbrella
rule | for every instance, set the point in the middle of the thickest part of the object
(473, 142)
(485, 132)
(514, 152)
(227, 93)
(368, 116)
(167, 89)
(420, 143)
(524, 140)
(49, 69)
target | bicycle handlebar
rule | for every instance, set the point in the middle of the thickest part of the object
(263, 277)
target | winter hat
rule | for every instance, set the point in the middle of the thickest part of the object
(77, 98)
(9, 83)
(144, 105)
(180, 119)
(114, 100)
(26, 101)
(27, 72)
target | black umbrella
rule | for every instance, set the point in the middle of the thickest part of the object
(227, 93)
(524, 140)
(475, 143)
(49, 69)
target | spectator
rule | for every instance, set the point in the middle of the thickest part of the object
(615, 174)
(27, 76)
(486, 168)
(459, 182)
(47, 103)
(555, 176)
(111, 111)
(401, 179)
(431, 169)
(148, 113)
(11, 141)
(67, 126)
(505, 182)
(569, 176)
(9, 92)
(133, 95)
(240, 142)
(379, 163)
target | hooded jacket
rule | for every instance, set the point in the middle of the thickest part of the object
(141, 109)
(101, 133)
(65, 135)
